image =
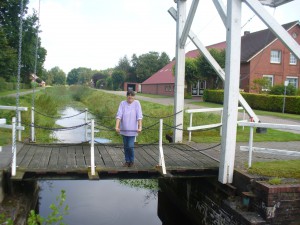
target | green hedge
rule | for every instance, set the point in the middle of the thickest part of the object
(273, 103)
(8, 86)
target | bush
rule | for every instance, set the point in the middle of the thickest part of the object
(216, 96)
(188, 95)
(279, 90)
(273, 103)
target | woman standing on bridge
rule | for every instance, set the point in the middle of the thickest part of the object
(129, 124)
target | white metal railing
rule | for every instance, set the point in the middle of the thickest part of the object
(161, 158)
(14, 108)
(250, 148)
(202, 127)
(92, 148)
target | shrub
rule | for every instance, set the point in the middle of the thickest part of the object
(273, 103)
(279, 90)
(216, 96)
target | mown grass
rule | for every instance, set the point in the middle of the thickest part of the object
(105, 105)
(47, 101)
(279, 169)
(258, 112)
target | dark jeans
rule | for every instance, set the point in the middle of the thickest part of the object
(128, 142)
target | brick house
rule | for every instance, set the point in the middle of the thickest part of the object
(262, 55)
(163, 81)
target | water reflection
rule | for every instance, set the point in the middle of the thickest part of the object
(101, 202)
(132, 202)
(75, 135)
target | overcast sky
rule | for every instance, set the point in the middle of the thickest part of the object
(97, 33)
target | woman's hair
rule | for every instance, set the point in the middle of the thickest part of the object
(131, 93)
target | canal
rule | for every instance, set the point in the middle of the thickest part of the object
(99, 202)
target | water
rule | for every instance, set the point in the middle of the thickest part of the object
(76, 135)
(101, 202)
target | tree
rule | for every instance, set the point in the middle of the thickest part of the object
(59, 76)
(8, 57)
(125, 66)
(99, 79)
(80, 75)
(9, 39)
(207, 71)
(192, 74)
(118, 78)
(147, 64)
(260, 84)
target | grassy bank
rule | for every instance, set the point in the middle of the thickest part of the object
(104, 107)
(258, 112)
(47, 101)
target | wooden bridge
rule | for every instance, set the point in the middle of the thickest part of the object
(72, 161)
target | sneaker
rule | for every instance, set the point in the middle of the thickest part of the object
(131, 164)
(126, 164)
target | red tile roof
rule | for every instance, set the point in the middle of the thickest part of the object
(165, 75)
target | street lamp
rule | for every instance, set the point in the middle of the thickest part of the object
(286, 83)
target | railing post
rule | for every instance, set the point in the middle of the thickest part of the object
(244, 116)
(86, 125)
(221, 122)
(161, 159)
(250, 147)
(19, 124)
(92, 149)
(191, 124)
(14, 148)
(32, 125)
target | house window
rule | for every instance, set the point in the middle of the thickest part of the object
(293, 59)
(275, 56)
(293, 81)
(168, 88)
(271, 82)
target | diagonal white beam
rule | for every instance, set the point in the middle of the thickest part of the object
(221, 8)
(274, 26)
(214, 64)
(188, 23)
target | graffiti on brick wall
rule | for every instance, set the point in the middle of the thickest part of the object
(270, 211)
(211, 213)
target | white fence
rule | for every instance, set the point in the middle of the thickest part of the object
(202, 127)
(250, 147)
(19, 127)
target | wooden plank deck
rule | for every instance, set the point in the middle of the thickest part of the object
(71, 161)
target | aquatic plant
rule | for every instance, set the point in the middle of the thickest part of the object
(59, 210)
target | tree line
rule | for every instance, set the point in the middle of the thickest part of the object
(136, 69)
(9, 42)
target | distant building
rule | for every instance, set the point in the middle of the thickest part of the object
(265, 56)
(163, 81)
(132, 86)
(262, 56)
(34, 78)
